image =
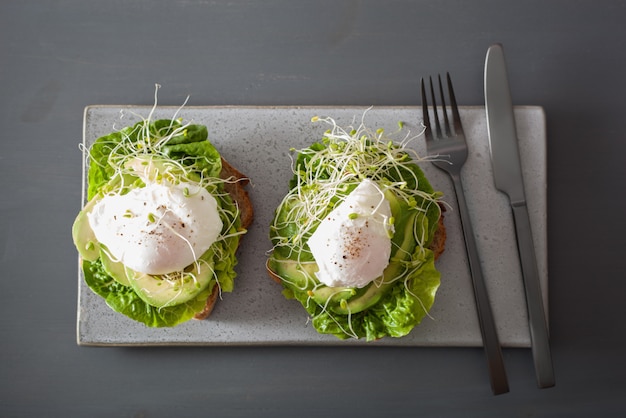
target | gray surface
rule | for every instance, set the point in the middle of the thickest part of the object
(56, 57)
(257, 313)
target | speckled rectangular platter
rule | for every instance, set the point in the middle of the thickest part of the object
(257, 141)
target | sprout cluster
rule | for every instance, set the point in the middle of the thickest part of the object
(326, 172)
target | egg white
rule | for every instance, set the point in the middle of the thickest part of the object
(352, 245)
(157, 229)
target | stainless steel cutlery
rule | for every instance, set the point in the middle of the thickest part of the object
(447, 148)
(503, 143)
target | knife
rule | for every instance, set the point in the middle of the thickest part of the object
(507, 174)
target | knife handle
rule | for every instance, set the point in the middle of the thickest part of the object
(534, 300)
(493, 350)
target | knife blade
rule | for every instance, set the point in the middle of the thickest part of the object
(507, 171)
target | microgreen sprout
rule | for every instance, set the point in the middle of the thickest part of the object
(325, 175)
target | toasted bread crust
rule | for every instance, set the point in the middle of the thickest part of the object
(235, 186)
(210, 304)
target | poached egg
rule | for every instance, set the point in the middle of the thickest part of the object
(352, 245)
(157, 229)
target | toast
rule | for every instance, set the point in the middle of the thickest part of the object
(236, 187)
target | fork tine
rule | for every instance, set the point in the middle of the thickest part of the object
(436, 117)
(455, 109)
(446, 121)
(425, 117)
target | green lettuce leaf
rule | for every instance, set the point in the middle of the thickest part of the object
(395, 314)
(190, 146)
(124, 300)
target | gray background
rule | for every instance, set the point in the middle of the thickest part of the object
(56, 57)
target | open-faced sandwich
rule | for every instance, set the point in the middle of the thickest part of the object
(164, 215)
(356, 237)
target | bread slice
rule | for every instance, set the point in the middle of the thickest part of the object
(210, 303)
(235, 185)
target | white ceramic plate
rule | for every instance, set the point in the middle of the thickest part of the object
(257, 141)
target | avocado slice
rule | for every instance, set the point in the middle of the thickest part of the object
(176, 288)
(342, 300)
(83, 236)
(113, 268)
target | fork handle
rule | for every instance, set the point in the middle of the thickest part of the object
(497, 373)
(534, 300)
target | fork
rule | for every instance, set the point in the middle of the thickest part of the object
(449, 148)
